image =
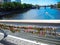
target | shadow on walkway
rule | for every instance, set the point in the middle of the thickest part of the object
(5, 42)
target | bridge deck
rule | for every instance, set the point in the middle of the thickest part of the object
(34, 37)
(4, 42)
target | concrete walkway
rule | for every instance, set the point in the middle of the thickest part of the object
(12, 40)
(4, 42)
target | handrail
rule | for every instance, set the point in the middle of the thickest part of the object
(32, 21)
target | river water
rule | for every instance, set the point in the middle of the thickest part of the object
(36, 14)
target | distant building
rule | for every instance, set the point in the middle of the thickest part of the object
(18, 0)
(1, 1)
(7, 0)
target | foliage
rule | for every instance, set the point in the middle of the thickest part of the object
(14, 5)
(51, 6)
(58, 4)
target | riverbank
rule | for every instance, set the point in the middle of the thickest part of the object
(14, 7)
(3, 13)
(58, 8)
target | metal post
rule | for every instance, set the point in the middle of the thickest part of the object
(45, 32)
(55, 32)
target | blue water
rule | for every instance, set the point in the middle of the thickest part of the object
(36, 14)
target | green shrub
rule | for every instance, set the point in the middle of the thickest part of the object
(58, 4)
(14, 5)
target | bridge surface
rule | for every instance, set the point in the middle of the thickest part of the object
(28, 36)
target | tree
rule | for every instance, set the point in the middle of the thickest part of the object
(58, 4)
(9, 6)
(51, 6)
